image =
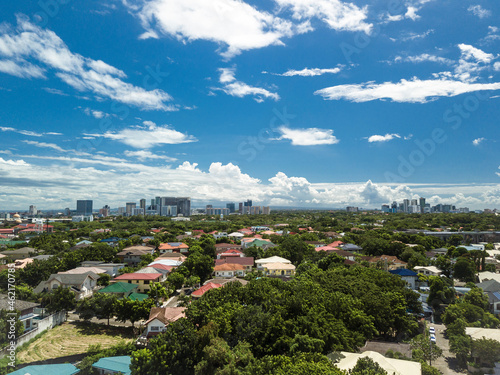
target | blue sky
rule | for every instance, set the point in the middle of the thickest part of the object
(314, 103)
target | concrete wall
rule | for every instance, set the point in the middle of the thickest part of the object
(43, 325)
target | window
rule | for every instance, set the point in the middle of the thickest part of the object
(146, 282)
(155, 328)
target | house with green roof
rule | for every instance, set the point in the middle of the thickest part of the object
(61, 369)
(120, 289)
(113, 365)
(138, 296)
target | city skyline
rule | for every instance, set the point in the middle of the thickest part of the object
(314, 104)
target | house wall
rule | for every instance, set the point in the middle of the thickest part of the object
(155, 326)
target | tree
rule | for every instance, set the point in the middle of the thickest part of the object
(176, 279)
(464, 270)
(367, 366)
(424, 349)
(104, 305)
(200, 265)
(103, 279)
(174, 352)
(486, 351)
(5, 326)
(157, 291)
(219, 358)
(478, 298)
(59, 299)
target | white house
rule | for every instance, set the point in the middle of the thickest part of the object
(428, 271)
(82, 284)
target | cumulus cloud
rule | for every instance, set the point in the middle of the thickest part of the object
(231, 23)
(239, 89)
(308, 137)
(147, 135)
(409, 91)
(103, 180)
(27, 51)
(336, 14)
(477, 141)
(383, 138)
(95, 113)
(479, 11)
(306, 72)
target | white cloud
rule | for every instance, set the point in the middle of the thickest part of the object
(308, 137)
(383, 138)
(103, 180)
(306, 72)
(143, 155)
(496, 66)
(45, 145)
(147, 136)
(424, 57)
(479, 11)
(472, 61)
(470, 52)
(477, 141)
(411, 13)
(20, 131)
(232, 23)
(30, 42)
(21, 69)
(240, 89)
(413, 36)
(409, 91)
(95, 113)
(336, 14)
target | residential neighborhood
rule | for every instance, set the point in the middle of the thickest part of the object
(152, 282)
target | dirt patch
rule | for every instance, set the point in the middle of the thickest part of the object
(73, 338)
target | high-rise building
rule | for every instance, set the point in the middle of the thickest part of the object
(231, 207)
(142, 204)
(32, 210)
(105, 211)
(184, 206)
(266, 210)
(406, 205)
(84, 207)
(240, 208)
(129, 208)
(122, 210)
(422, 204)
(413, 202)
(351, 209)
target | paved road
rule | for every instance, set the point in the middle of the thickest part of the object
(447, 363)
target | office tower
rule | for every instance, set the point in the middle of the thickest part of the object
(240, 208)
(129, 208)
(422, 204)
(138, 211)
(67, 211)
(84, 207)
(351, 209)
(184, 206)
(231, 207)
(158, 201)
(406, 205)
(266, 210)
(122, 210)
(153, 202)
(142, 204)
(208, 206)
(33, 211)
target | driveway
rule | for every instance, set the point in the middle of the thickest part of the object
(447, 363)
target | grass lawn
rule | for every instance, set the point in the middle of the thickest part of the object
(73, 338)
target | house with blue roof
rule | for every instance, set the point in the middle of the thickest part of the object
(407, 275)
(62, 369)
(113, 365)
(492, 289)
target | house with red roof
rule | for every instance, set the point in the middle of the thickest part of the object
(173, 247)
(247, 262)
(142, 280)
(336, 244)
(229, 270)
(205, 288)
(231, 253)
